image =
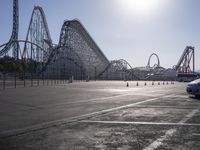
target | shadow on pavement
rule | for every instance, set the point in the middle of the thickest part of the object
(195, 97)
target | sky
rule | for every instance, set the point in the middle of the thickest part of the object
(123, 29)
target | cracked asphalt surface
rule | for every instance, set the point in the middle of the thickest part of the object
(100, 115)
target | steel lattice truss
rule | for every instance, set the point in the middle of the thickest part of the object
(76, 54)
(186, 61)
(118, 70)
(12, 47)
(75, 37)
(149, 61)
(64, 63)
(38, 33)
(155, 71)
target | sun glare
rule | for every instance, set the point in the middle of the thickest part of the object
(139, 6)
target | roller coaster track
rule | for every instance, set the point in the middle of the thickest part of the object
(38, 33)
(184, 62)
(55, 51)
(76, 46)
(11, 45)
(74, 36)
(79, 47)
(64, 44)
(80, 29)
(157, 65)
(120, 65)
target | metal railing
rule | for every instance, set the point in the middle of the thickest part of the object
(17, 80)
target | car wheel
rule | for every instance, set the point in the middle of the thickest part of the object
(197, 96)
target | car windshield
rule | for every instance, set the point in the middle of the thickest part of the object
(195, 81)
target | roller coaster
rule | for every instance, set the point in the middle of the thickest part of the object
(76, 54)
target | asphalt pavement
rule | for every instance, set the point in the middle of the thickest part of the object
(100, 115)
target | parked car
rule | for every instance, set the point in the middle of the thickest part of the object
(193, 88)
(186, 77)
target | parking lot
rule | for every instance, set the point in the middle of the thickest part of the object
(100, 115)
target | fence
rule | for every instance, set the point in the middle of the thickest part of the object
(15, 80)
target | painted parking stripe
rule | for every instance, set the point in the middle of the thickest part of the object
(45, 125)
(141, 123)
(170, 132)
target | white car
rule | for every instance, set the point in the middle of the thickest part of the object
(193, 88)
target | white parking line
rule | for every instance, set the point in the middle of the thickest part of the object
(170, 132)
(106, 98)
(142, 123)
(89, 100)
(68, 120)
(195, 134)
(97, 99)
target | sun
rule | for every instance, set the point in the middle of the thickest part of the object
(139, 6)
